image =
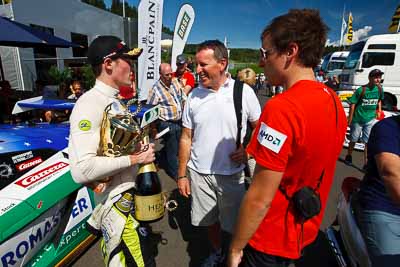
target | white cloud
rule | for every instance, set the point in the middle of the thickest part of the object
(334, 43)
(361, 33)
(357, 36)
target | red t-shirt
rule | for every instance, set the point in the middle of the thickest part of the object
(297, 135)
(186, 79)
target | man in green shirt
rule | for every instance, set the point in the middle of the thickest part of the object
(366, 104)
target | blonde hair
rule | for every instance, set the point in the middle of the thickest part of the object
(248, 76)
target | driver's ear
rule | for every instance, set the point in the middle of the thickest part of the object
(108, 64)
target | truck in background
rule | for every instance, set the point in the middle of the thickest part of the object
(333, 63)
(376, 52)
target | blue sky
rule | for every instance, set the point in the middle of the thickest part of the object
(242, 21)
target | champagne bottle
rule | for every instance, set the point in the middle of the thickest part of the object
(149, 202)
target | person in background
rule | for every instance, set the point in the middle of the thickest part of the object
(45, 90)
(366, 106)
(333, 82)
(208, 149)
(320, 76)
(258, 83)
(76, 90)
(167, 93)
(325, 78)
(292, 149)
(378, 213)
(41, 89)
(278, 90)
(248, 76)
(190, 64)
(183, 74)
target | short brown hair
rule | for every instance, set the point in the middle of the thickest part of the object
(97, 70)
(303, 27)
(220, 51)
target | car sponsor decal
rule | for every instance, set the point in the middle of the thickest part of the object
(5, 171)
(28, 164)
(82, 209)
(271, 138)
(72, 234)
(85, 125)
(39, 177)
(14, 250)
(6, 205)
(22, 157)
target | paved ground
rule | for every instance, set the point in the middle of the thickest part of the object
(177, 243)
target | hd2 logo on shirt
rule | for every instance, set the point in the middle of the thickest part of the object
(271, 138)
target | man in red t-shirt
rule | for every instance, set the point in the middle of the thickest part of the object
(296, 144)
(183, 74)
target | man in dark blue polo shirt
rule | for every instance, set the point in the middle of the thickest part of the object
(379, 217)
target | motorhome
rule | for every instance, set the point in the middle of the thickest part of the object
(376, 52)
(333, 63)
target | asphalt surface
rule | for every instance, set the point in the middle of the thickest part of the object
(177, 243)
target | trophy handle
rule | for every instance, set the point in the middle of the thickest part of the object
(139, 106)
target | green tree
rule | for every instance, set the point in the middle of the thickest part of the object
(166, 56)
(190, 49)
(131, 11)
(97, 3)
(165, 29)
(244, 55)
(116, 7)
(88, 77)
(59, 77)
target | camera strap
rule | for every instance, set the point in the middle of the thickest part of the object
(284, 192)
(281, 188)
(237, 101)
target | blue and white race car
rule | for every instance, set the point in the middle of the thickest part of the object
(43, 212)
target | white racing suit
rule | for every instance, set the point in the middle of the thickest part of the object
(122, 243)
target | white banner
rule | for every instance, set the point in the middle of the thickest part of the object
(149, 38)
(183, 25)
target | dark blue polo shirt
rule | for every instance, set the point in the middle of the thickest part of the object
(384, 137)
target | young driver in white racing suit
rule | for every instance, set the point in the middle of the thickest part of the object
(124, 241)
